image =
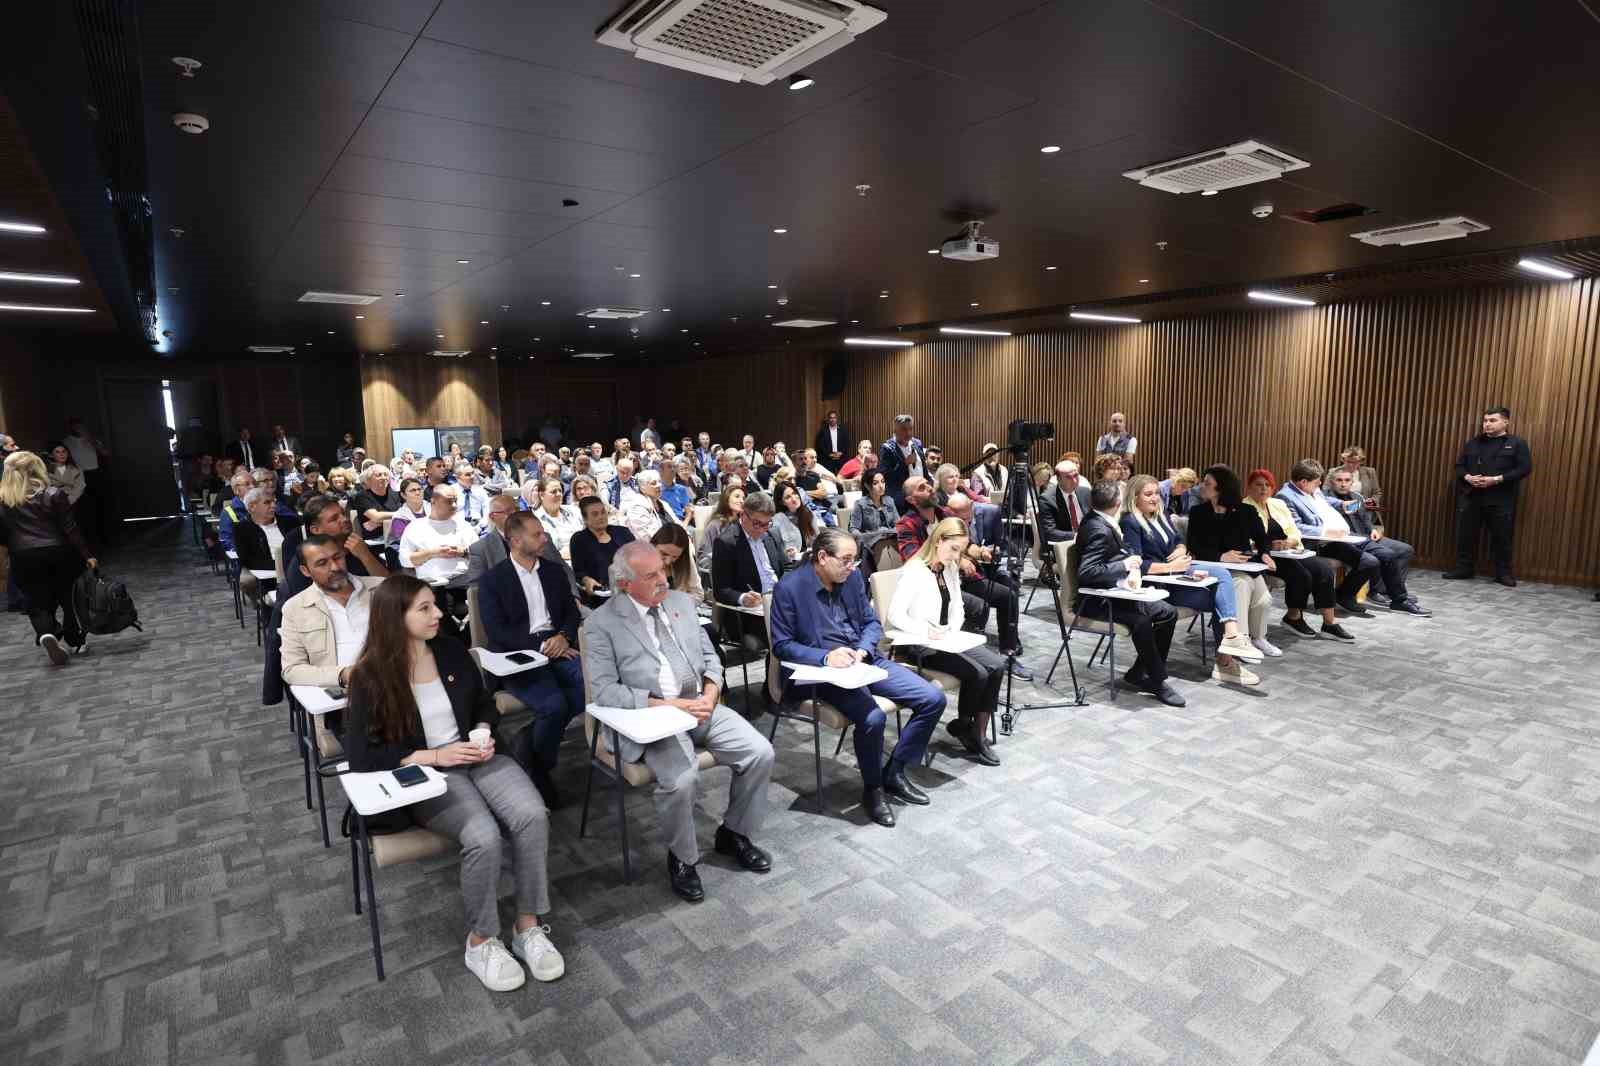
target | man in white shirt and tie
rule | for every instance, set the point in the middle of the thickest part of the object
(282, 442)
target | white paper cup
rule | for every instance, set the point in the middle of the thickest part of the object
(480, 737)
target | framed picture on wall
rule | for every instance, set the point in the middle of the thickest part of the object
(467, 436)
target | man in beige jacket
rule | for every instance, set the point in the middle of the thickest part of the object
(325, 625)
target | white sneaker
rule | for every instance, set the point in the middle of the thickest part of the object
(54, 648)
(1235, 675)
(492, 964)
(533, 947)
(1266, 647)
(1239, 648)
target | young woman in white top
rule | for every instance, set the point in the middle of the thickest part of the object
(416, 698)
(928, 603)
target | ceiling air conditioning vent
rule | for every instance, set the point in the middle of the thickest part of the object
(806, 323)
(593, 355)
(356, 298)
(271, 349)
(1244, 163)
(613, 312)
(1438, 229)
(451, 355)
(757, 41)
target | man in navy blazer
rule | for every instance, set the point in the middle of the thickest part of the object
(900, 457)
(821, 617)
(526, 604)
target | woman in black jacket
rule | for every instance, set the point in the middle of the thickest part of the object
(416, 699)
(47, 552)
(1223, 528)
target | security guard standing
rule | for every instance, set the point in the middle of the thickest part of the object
(1488, 471)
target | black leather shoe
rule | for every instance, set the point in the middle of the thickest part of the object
(901, 787)
(983, 753)
(1299, 625)
(1135, 677)
(1507, 580)
(1355, 608)
(1457, 575)
(1167, 694)
(745, 853)
(877, 807)
(685, 879)
(1378, 599)
(1411, 607)
(959, 728)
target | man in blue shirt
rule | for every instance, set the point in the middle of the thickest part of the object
(821, 617)
(233, 510)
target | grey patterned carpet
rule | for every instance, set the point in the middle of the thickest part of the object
(1388, 854)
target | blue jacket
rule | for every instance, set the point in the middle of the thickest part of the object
(232, 511)
(505, 608)
(1152, 546)
(794, 625)
(896, 470)
(1302, 509)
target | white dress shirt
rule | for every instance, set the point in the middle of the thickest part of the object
(533, 592)
(561, 525)
(349, 622)
(82, 451)
(432, 533)
(274, 537)
(665, 678)
(1333, 523)
(758, 551)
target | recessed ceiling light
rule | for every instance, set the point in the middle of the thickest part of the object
(874, 342)
(494, 349)
(779, 229)
(883, 296)
(974, 303)
(635, 275)
(591, 325)
(665, 309)
(483, 321)
(20, 227)
(683, 331)
(360, 317)
(1092, 317)
(1049, 268)
(330, 333)
(44, 279)
(1144, 281)
(1050, 149)
(806, 323)
(766, 316)
(38, 307)
(544, 303)
(358, 299)
(855, 322)
(933, 251)
(1526, 264)
(800, 81)
(1273, 297)
(397, 294)
(463, 262)
(975, 332)
(772, 286)
(1208, 192)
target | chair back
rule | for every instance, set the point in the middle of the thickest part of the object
(479, 638)
(886, 556)
(849, 485)
(774, 680)
(1067, 569)
(277, 561)
(850, 497)
(883, 584)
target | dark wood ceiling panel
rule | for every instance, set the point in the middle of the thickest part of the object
(407, 16)
(452, 218)
(443, 185)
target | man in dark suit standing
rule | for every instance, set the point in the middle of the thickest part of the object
(1489, 470)
(1103, 563)
(746, 564)
(527, 604)
(1064, 505)
(243, 451)
(900, 457)
(832, 442)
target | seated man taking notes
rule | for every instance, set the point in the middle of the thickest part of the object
(821, 617)
(644, 648)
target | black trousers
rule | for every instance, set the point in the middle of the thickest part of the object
(1304, 579)
(981, 671)
(45, 576)
(1359, 567)
(997, 591)
(1500, 515)
(1150, 624)
(97, 511)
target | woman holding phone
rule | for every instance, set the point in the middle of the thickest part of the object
(416, 699)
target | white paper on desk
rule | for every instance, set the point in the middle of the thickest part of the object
(857, 675)
(955, 642)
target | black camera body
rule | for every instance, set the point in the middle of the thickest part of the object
(1021, 434)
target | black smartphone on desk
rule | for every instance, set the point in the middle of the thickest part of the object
(409, 775)
(334, 693)
(521, 658)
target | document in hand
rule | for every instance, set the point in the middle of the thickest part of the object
(859, 675)
(955, 642)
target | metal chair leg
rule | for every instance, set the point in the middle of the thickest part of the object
(355, 866)
(1111, 650)
(1055, 663)
(372, 896)
(622, 812)
(840, 746)
(816, 750)
(588, 784)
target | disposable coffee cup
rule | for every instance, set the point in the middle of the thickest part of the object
(480, 737)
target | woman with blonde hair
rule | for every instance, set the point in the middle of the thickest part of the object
(48, 552)
(928, 604)
(1175, 491)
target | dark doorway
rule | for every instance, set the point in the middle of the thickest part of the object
(141, 443)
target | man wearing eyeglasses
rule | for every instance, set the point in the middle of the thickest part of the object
(821, 616)
(746, 564)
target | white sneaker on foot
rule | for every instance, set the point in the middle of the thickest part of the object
(533, 947)
(1266, 647)
(54, 648)
(1240, 648)
(1235, 675)
(492, 964)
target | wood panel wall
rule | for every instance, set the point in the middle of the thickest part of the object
(1405, 377)
(400, 391)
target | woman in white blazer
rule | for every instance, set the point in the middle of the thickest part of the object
(928, 604)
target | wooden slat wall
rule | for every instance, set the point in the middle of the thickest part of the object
(1406, 377)
(399, 391)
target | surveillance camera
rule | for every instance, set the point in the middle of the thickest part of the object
(1262, 210)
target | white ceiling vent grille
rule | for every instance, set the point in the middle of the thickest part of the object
(1224, 168)
(450, 355)
(614, 312)
(807, 323)
(1438, 229)
(356, 298)
(593, 355)
(270, 349)
(757, 41)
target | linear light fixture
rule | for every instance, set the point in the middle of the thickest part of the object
(42, 307)
(1532, 265)
(874, 342)
(1272, 297)
(1092, 317)
(964, 331)
(20, 227)
(46, 279)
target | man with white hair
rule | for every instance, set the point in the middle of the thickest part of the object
(645, 647)
(623, 485)
(644, 512)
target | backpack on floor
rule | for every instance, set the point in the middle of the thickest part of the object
(103, 604)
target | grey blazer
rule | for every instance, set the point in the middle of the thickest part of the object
(489, 551)
(620, 661)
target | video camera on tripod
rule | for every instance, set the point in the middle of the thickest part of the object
(1022, 434)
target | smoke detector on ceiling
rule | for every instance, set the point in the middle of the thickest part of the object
(186, 66)
(1437, 229)
(1244, 163)
(191, 123)
(757, 41)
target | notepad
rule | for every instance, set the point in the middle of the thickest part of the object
(955, 642)
(858, 675)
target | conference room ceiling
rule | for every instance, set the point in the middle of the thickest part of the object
(369, 146)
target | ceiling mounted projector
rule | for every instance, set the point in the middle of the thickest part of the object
(758, 41)
(970, 245)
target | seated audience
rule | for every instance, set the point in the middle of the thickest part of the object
(527, 605)
(991, 476)
(560, 520)
(582, 487)
(985, 578)
(1363, 480)
(948, 482)
(730, 503)
(644, 512)
(688, 478)
(324, 625)
(645, 648)
(817, 482)
(436, 546)
(413, 508)
(232, 511)
(326, 516)
(929, 604)
(1394, 556)
(769, 466)
(676, 549)
(474, 500)
(856, 465)
(1307, 579)
(1063, 506)
(1179, 491)
(434, 474)
(492, 548)
(821, 616)
(600, 464)
(795, 525)
(1103, 563)
(747, 560)
(916, 516)
(593, 547)
(1320, 521)
(676, 496)
(63, 473)
(874, 515)
(621, 488)
(256, 539)
(1111, 467)
(415, 699)
(504, 471)
(341, 484)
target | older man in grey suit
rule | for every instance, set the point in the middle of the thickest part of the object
(645, 647)
(490, 549)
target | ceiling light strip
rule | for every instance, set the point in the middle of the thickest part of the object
(1272, 297)
(875, 342)
(967, 332)
(44, 279)
(20, 227)
(1090, 316)
(48, 309)
(1536, 267)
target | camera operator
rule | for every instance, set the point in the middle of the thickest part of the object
(989, 573)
